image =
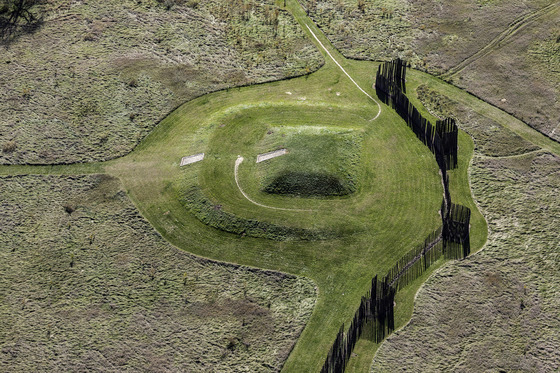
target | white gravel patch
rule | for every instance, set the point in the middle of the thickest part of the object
(270, 155)
(192, 159)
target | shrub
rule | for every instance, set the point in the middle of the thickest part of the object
(68, 208)
(9, 146)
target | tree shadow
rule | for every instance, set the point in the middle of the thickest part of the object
(19, 17)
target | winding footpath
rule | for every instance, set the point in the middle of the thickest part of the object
(238, 161)
(346, 73)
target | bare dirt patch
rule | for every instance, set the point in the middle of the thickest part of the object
(191, 159)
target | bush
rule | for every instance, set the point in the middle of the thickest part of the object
(9, 146)
(16, 13)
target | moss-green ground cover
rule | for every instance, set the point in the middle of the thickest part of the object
(87, 285)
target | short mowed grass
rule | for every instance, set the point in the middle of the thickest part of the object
(438, 36)
(498, 309)
(97, 77)
(394, 205)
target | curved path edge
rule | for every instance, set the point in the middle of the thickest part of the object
(238, 161)
(346, 73)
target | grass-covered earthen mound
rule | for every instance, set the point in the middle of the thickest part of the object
(321, 161)
(307, 184)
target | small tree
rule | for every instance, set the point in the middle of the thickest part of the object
(18, 13)
(362, 6)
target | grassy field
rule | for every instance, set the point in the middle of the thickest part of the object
(87, 284)
(506, 52)
(398, 186)
(393, 205)
(98, 76)
(395, 177)
(497, 310)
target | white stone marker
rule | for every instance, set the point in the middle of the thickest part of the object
(270, 155)
(192, 159)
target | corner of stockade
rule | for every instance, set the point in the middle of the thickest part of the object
(374, 319)
(441, 139)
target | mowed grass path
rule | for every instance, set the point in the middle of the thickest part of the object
(395, 207)
(399, 185)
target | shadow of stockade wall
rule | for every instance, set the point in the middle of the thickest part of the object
(374, 319)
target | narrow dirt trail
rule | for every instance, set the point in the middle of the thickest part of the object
(346, 73)
(516, 26)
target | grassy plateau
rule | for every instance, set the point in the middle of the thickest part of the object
(498, 309)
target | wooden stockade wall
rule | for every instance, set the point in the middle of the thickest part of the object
(456, 232)
(441, 139)
(374, 318)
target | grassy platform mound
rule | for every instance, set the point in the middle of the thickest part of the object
(328, 127)
(321, 162)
